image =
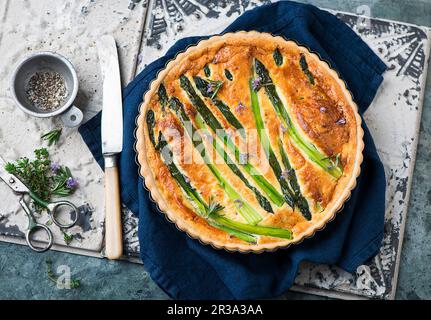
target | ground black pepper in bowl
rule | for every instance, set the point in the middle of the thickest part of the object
(46, 90)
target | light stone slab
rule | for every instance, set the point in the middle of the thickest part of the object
(71, 29)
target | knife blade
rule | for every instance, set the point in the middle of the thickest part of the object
(112, 111)
(112, 143)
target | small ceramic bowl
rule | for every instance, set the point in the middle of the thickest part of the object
(42, 62)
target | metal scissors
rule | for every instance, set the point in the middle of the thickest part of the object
(52, 208)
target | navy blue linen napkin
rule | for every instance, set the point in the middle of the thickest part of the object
(186, 269)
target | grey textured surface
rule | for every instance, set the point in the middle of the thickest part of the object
(414, 279)
(23, 274)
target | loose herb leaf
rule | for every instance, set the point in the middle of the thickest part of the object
(304, 67)
(74, 283)
(49, 270)
(163, 96)
(207, 70)
(67, 238)
(52, 137)
(228, 75)
(278, 58)
(151, 122)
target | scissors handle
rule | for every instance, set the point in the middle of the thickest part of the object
(54, 207)
(28, 237)
(33, 226)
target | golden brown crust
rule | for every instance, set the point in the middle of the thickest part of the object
(322, 126)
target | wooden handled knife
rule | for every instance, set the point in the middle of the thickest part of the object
(112, 143)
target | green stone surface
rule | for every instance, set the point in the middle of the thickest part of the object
(23, 273)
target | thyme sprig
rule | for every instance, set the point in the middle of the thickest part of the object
(213, 207)
(74, 282)
(67, 237)
(213, 87)
(33, 172)
(334, 160)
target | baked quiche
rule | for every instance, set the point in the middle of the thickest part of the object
(249, 142)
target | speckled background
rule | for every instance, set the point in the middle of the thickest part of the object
(23, 274)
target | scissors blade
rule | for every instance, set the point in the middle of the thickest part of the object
(11, 180)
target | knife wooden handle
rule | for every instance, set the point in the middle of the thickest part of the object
(113, 229)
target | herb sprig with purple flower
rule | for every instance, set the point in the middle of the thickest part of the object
(45, 178)
(64, 183)
(259, 82)
(213, 87)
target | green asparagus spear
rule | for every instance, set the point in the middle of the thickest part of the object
(264, 139)
(207, 70)
(300, 201)
(259, 230)
(297, 138)
(163, 96)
